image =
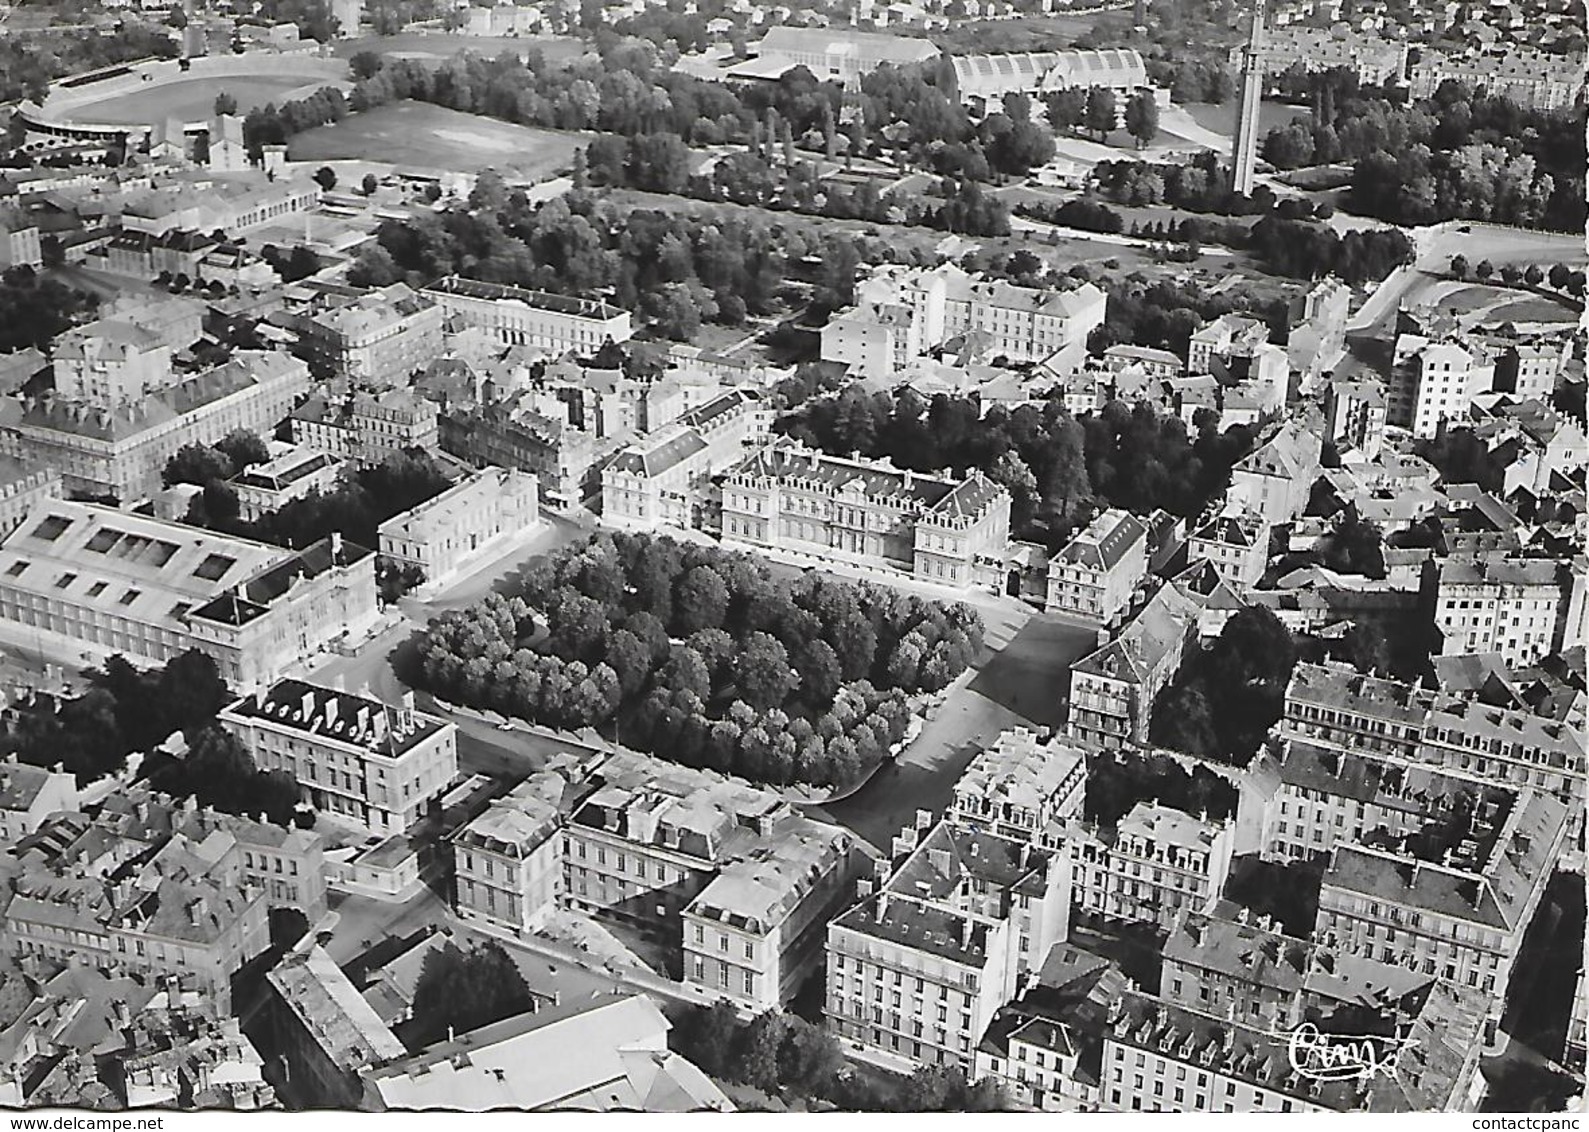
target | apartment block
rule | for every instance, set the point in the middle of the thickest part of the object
(115, 582)
(1530, 370)
(20, 247)
(1356, 412)
(1159, 1057)
(30, 794)
(920, 966)
(1514, 607)
(510, 434)
(378, 338)
(1165, 862)
(1236, 544)
(22, 489)
(1459, 916)
(1098, 571)
(1022, 787)
(110, 363)
(646, 847)
(120, 450)
(1333, 707)
(366, 427)
(1528, 77)
(900, 314)
(508, 862)
(188, 928)
(1326, 797)
(1113, 688)
(443, 535)
(1229, 335)
(357, 760)
(658, 480)
(1045, 1050)
(1435, 380)
(1229, 963)
(757, 929)
(804, 503)
(327, 1035)
(1317, 336)
(532, 318)
(1275, 479)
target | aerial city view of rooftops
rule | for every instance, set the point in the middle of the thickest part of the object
(935, 555)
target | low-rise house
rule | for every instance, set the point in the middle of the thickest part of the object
(30, 794)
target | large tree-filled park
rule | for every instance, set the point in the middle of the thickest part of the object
(702, 656)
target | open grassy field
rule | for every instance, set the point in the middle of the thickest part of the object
(1535, 308)
(440, 45)
(1220, 117)
(416, 133)
(191, 99)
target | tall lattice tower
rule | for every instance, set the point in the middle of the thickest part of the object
(1244, 148)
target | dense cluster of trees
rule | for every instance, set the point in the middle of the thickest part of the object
(1057, 468)
(201, 463)
(1311, 251)
(273, 125)
(1354, 545)
(33, 310)
(677, 270)
(30, 61)
(458, 991)
(778, 1052)
(1454, 155)
(1199, 185)
(655, 114)
(1227, 696)
(1461, 457)
(312, 17)
(1287, 246)
(1164, 314)
(1364, 646)
(703, 657)
(361, 502)
(1118, 780)
(769, 176)
(219, 771)
(298, 263)
(122, 710)
(1559, 277)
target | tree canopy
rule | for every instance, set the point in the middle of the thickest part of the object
(460, 990)
(699, 655)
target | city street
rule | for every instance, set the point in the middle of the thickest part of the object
(1023, 684)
